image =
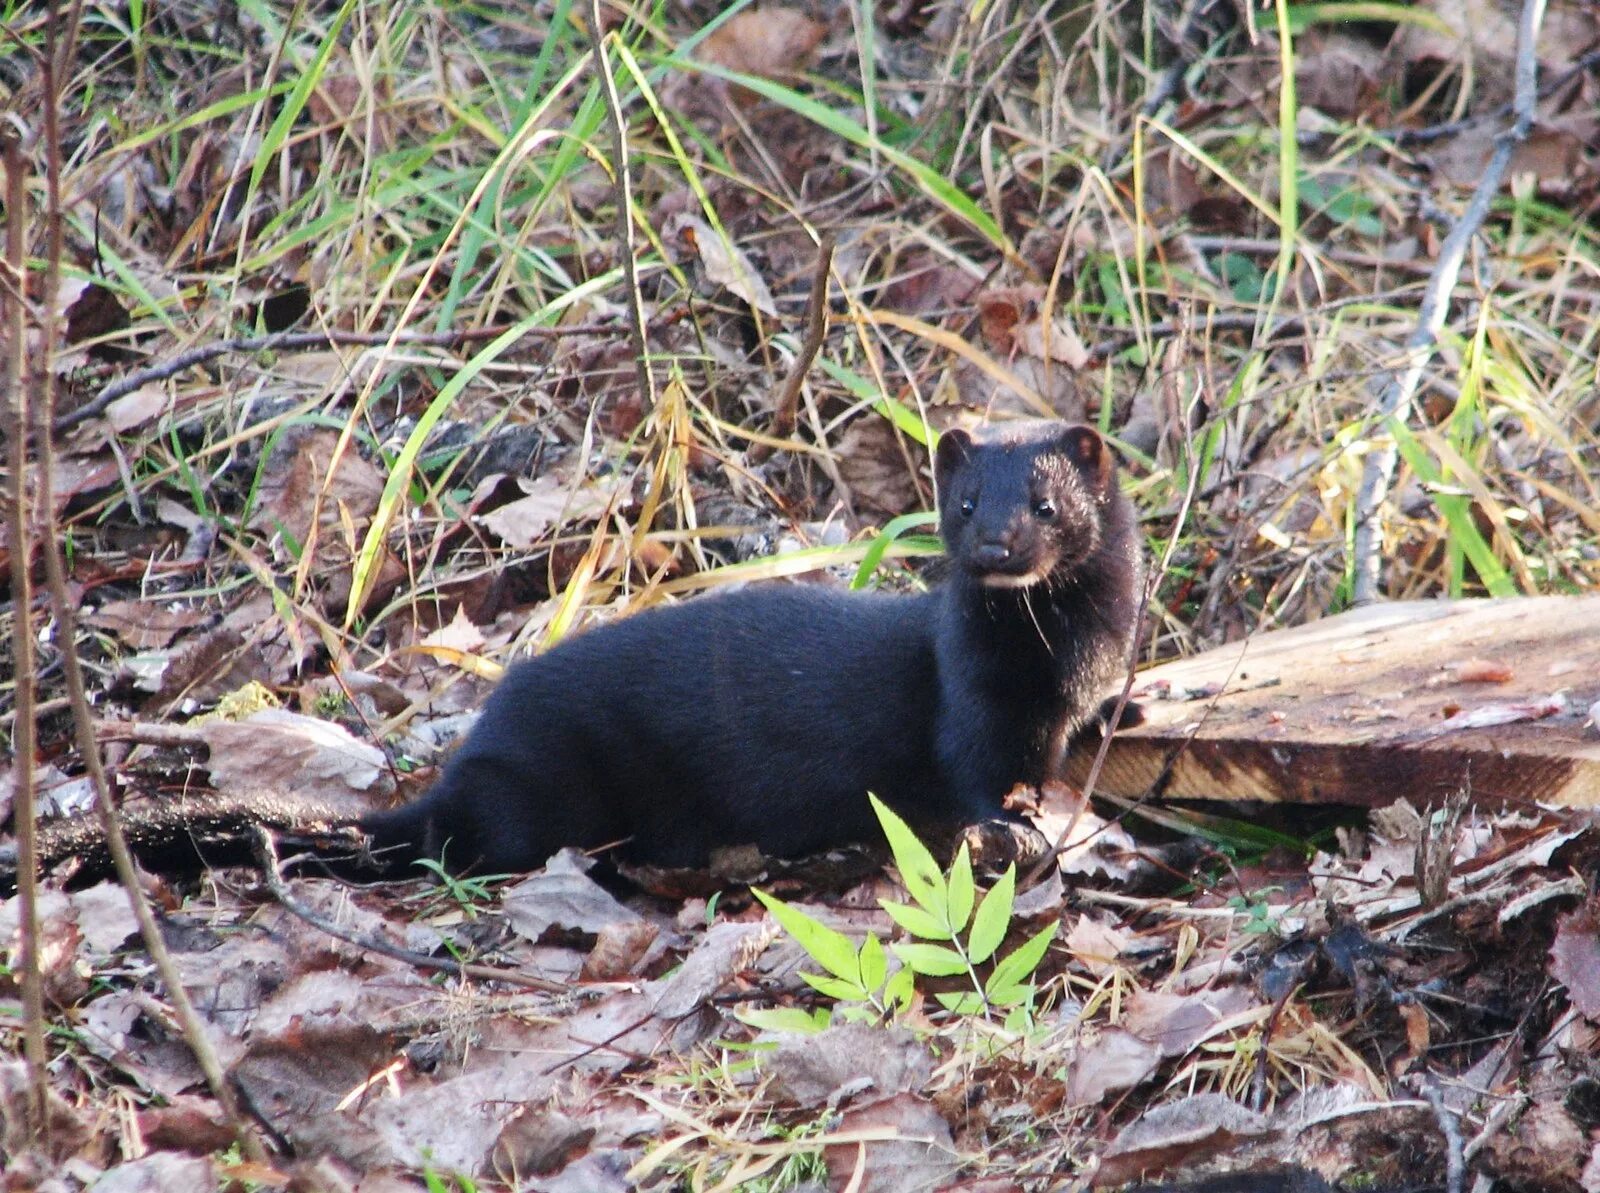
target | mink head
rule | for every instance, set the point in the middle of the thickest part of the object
(1017, 507)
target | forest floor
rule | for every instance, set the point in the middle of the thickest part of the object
(357, 397)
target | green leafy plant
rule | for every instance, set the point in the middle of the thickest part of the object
(467, 893)
(955, 935)
(1261, 918)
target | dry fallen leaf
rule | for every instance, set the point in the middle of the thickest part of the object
(146, 624)
(873, 465)
(619, 949)
(1096, 945)
(915, 1150)
(724, 262)
(1175, 1023)
(277, 750)
(159, 1172)
(809, 1071)
(562, 895)
(143, 405)
(1013, 321)
(1106, 1061)
(460, 634)
(1181, 1132)
(297, 484)
(549, 501)
(1575, 959)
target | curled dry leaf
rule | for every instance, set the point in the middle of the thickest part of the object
(619, 949)
(284, 751)
(724, 262)
(1182, 1132)
(562, 895)
(1014, 322)
(548, 501)
(727, 949)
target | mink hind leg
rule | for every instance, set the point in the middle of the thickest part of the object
(490, 816)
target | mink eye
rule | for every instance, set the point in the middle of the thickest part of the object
(1044, 509)
(968, 507)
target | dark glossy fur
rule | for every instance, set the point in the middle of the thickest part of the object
(765, 716)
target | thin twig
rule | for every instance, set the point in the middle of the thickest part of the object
(1258, 1079)
(785, 416)
(266, 848)
(297, 341)
(66, 611)
(1450, 1127)
(1396, 399)
(25, 735)
(623, 186)
(1449, 128)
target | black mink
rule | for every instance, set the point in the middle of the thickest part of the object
(765, 716)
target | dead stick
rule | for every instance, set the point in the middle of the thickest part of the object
(1450, 1127)
(298, 341)
(266, 848)
(25, 735)
(788, 411)
(66, 612)
(1396, 399)
(623, 187)
(1258, 1079)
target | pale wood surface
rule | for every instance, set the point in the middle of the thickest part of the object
(1353, 709)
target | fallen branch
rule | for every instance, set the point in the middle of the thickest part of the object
(272, 872)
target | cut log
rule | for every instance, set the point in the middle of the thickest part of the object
(1418, 699)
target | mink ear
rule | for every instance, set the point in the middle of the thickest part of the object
(952, 454)
(1082, 445)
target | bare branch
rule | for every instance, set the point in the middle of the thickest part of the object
(788, 408)
(65, 608)
(25, 735)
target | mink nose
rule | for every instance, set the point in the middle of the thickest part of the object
(991, 555)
